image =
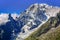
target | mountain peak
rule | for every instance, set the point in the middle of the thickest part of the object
(36, 5)
(43, 7)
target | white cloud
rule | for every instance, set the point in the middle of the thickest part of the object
(4, 18)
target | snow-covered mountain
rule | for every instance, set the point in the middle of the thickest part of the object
(21, 26)
(35, 16)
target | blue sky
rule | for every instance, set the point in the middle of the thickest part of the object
(11, 6)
